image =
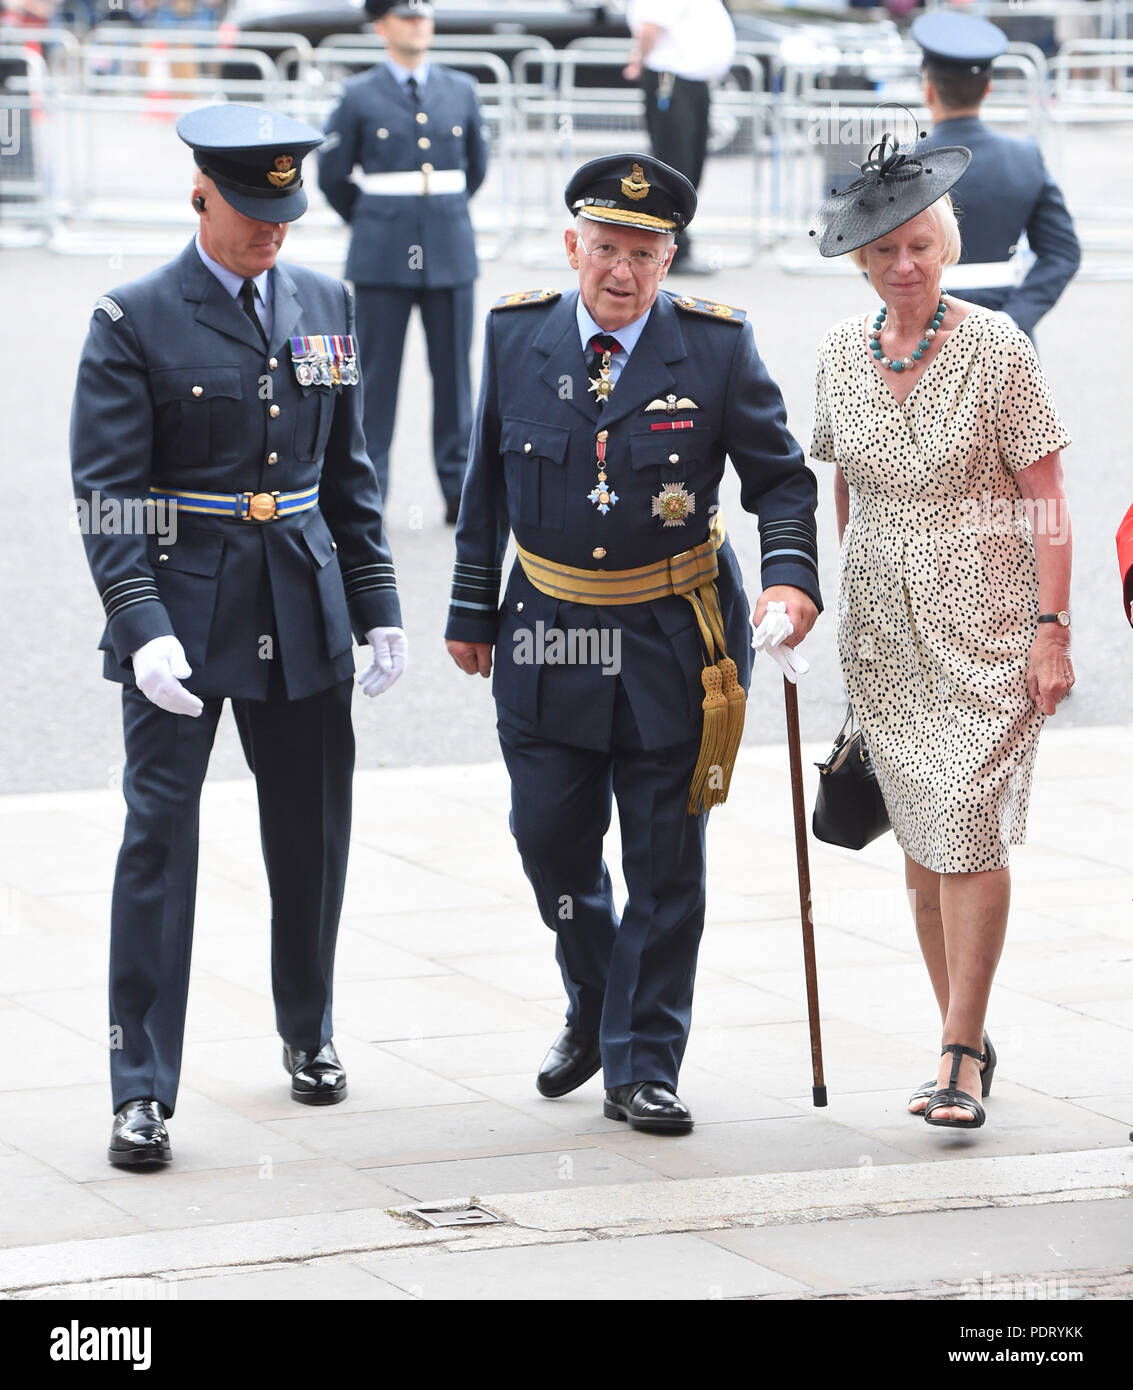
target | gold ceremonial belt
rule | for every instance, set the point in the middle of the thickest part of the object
(675, 574)
(238, 506)
(692, 574)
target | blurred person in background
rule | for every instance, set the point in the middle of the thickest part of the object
(679, 47)
(404, 152)
(1007, 194)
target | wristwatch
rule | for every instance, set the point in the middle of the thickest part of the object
(1062, 618)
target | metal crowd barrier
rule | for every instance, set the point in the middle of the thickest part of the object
(91, 116)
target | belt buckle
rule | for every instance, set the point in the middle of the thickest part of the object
(258, 506)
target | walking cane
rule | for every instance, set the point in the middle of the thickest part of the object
(818, 1088)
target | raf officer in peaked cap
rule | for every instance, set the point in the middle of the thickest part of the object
(1007, 192)
(222, 389)
(622, 646)
(404, 152)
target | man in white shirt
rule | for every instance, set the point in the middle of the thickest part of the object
(679, 47)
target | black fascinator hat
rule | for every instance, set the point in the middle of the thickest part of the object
(893, 188)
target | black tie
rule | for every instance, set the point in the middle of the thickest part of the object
(248, 300)
(414, 95)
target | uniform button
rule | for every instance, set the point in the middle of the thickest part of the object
(527, 447)
(383, 133)
(599, 552)
(423, 142)
(426, 168)
(198, 390)
(273, 457)
(519, 606)
(421, 118)
(163, 558)
(273, 411)
(603, 435)
(273, 362)
(674, 458)
(458, 130)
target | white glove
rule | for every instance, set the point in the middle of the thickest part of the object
(159, 669)
(390, 648)
(769, 637)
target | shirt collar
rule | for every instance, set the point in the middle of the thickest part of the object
(626, 336)
(229, 278)
(403, 74)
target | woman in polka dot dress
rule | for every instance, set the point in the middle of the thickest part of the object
(955, 538)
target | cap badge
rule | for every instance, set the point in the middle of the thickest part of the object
(283, 173)
(636, 186)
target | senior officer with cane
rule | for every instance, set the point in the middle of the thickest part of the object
(222, 388)
(622, 647)
(1007, 192)
(403, 154)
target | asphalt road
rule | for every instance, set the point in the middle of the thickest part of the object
(61, 726)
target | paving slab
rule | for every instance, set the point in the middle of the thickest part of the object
(385, 1137)
(41, 1206)
(653, 1267)
(969, 1246)
(315, 1282)
(529, 1172)
(224, 1195)
(762, 1198)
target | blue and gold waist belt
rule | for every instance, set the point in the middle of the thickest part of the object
(238, 506)
(691, 575)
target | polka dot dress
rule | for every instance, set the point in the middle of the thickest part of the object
(938, 600)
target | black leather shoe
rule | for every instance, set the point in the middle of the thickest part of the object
(574, 1058)
(648, 1105)
(315, 1080)
(139, 1135)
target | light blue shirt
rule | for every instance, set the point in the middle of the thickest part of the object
(232, 282)
(626, 336)
(403, 74)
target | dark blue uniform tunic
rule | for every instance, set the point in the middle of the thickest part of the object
(176, 389)
(573, 737)
(1006, 191)
(408, 248)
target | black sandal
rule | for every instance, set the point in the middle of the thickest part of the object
(950, 1095)
(928, 1090)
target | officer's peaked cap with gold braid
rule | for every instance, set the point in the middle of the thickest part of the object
(632, 190)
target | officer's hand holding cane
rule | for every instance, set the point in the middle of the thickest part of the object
(159, 668)
(390, 648)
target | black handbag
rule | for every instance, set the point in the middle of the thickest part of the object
(849, 809)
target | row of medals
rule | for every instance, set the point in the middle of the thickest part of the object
(325, 359)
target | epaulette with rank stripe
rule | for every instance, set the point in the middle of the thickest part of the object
(727, 313)
(522, 298)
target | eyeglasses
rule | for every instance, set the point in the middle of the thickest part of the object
(639, 261)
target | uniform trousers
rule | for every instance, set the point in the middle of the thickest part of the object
(301, 753)
(382, 318)
(628, 979)
(678, 130)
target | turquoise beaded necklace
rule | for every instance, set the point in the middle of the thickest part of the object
(921, 348)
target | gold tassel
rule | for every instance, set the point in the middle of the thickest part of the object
(708, 778)
(737, 706)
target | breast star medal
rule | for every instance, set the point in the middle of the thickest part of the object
(603, 496)
(674, 505)
(602, 384)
